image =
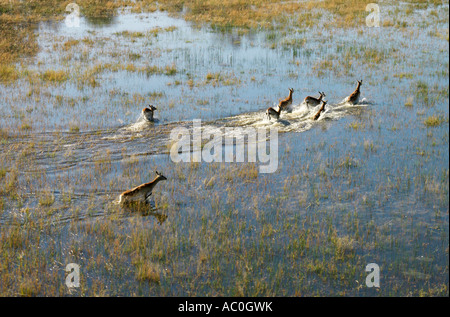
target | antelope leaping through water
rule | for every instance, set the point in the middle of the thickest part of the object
(283, 105)
(354, 97)
(148, 112)
(271, 112)
(322, 108)
(312, 101)
(286, 102)
(140, 193)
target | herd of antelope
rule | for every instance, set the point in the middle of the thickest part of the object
(311, 102)
(141, 193)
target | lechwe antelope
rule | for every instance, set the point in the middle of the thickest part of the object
(141, 192)
(322, 108)
(286, 102)
(148, 112)
(354, 97)
(311, 101)
(272, 112)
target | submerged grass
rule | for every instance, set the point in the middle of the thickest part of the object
(55, 76)
(434, 121)
(8, 73)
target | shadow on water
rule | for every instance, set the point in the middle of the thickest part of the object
(145, 209)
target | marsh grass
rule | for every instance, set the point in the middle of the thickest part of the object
(147, 272)
(409, 102)
(8, 73)
(70, 44)
(341, 197)
(199, 249)
(46, 198)
(55, 76)
(221, 78)
(223, 14)
(433, 121)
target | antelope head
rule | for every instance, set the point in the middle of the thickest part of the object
(322, 94)
(147, 110)
(160, 176)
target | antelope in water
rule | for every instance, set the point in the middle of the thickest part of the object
(311, 101)
(272, 112)
(322, 108)
(148, 112)
(141, 192)
(286, 102)
(354, 97)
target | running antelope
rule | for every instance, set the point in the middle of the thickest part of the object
(286, 102)
(272, 112)
(311, 101)
(141, 192)
(148, 112)
(354, 97)
(322, 108)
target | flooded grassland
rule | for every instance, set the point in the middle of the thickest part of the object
(366, 183)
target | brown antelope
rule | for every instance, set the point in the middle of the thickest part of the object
(322, 108)
(148, 112)
(141, 192)
(354, 97)
(272, 112)
(286, 102)
(311, 101)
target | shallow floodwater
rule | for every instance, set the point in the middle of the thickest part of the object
(371, 178)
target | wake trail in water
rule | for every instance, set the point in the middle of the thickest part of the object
(62, 151)
(298, 118)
